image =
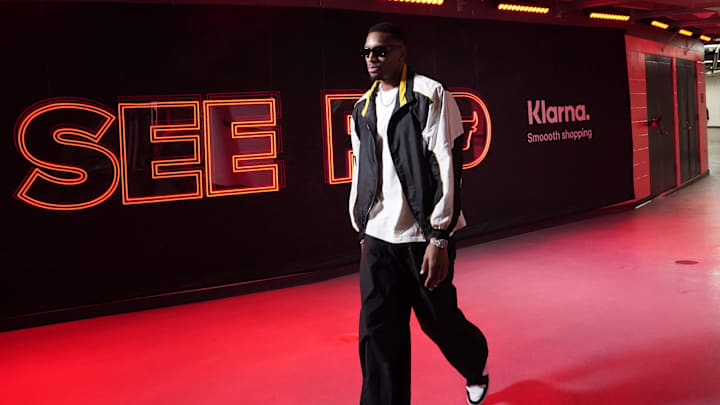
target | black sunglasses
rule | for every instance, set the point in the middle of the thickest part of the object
(379, 51)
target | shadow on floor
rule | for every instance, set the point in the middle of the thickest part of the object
(669, 374)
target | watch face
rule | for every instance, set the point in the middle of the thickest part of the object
(441, 243)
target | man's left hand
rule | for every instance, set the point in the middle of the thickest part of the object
(435, 264)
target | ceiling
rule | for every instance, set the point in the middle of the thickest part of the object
(698, 16)
(701, 16)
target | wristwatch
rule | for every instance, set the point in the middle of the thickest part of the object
(440, 243)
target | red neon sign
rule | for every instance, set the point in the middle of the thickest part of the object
(167, 123)
(166, 152)
(78, 135)
(172, 150)
(250, 140)
(479, 133)
(337, 110)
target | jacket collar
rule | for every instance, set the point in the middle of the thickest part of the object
(405, 91)
(405, 94)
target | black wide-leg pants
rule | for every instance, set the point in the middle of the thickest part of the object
(391, 284)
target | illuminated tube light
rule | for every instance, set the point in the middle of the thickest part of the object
(606, 16)
(685, 32)
(522, 8)
(705, 38)
(658, 24)
(428, 2)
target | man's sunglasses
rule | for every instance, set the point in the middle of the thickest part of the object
(379, 51)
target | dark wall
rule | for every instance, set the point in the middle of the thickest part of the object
(108, 53)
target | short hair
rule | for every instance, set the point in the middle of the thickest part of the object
(389, 28)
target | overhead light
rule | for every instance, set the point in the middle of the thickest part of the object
(685, 32)
(659, 24)
(705, 38)
(609, 16)
(523, 8)
(429, 2)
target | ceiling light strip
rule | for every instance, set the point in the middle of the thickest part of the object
(685, 32)
(659, 24)
(607, 16)
(426, 2)
(521, 8)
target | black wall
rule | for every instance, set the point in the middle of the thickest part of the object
(58, 259)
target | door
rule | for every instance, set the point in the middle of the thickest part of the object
(661, 137)
(688, 142)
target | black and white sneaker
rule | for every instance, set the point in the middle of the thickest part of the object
(476, 393)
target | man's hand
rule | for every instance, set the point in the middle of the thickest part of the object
(435, 264)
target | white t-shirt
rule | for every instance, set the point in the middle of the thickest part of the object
(390, 218)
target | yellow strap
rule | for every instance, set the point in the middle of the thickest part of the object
(403, 86)
(367, 101)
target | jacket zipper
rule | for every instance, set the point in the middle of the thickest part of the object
(374, 193)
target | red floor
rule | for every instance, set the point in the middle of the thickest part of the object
(594, 312)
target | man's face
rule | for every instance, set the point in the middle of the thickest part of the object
(389, 66)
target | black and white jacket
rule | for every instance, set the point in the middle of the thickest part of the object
(425, 142)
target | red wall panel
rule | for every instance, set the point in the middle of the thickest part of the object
(636, 49)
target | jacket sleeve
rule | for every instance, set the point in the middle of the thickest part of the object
(353, 187)
(443, 136)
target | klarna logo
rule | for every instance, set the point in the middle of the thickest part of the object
(539, 113)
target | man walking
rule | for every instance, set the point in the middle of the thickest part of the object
(405, 205)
